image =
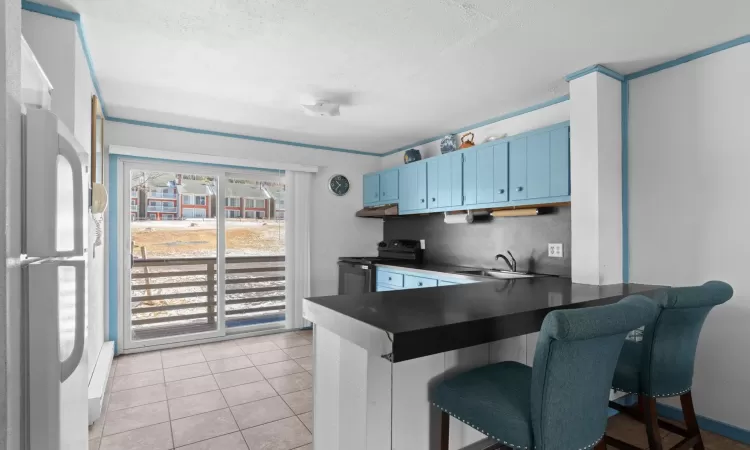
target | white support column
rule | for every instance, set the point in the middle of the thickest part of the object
(596, 179)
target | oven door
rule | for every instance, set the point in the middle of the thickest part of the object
(356, 278)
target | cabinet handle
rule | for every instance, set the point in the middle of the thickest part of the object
(419, 284)
(422, 200)
(433, 199)
(502, 191)
(383, 193)
(390, 279)
(519, 188)
(375, 195)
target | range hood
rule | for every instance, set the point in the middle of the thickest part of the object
(379, 211)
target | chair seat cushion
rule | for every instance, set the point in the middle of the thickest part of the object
(494, 399)
(627, 373)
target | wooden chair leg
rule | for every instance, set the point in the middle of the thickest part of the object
(688, 410)
(445, 423)
(651, 420)
(601, 445)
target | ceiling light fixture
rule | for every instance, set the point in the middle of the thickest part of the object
(320, 108)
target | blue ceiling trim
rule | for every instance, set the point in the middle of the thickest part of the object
(474, 126)
(50, 11)
(691, 57)
(595, 68)
(235, 136)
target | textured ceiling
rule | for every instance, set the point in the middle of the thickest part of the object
(404, 70)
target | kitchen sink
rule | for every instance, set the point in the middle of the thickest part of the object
(499, 274)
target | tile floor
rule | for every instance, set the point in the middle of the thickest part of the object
(246, 394)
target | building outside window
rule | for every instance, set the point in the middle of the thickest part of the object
(188, 199)
(233, 202)
(200, 200)
(232, 214)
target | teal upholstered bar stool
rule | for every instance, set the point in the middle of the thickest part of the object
(560, 403)
(661, 365)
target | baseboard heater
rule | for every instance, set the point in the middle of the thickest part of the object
(98, 381)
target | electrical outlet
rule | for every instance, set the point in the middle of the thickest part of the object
(422, 243)
(555, 250)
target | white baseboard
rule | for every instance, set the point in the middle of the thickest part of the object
(98, 382)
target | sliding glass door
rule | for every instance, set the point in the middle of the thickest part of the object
(203, 252)
(255, 250)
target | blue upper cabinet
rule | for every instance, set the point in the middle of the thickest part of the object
(371, 189)
(470, 176)
(455, 193)
(413, 187)
(531, 168)
(500, 171)
(433, 172)
(486, 174)
(389, 186)
(381, 187)
(537, 166)
(560, 162)
(517, 169)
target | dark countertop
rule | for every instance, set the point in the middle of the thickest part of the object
(426, 321)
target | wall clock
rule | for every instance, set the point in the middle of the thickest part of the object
(339, 185)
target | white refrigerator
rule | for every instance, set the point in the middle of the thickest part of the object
(55, 208)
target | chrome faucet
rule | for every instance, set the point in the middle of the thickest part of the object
(510, 264)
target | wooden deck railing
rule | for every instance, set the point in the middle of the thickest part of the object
(182, 292)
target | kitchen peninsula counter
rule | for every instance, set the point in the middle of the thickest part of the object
(376, 355)
(421, 322)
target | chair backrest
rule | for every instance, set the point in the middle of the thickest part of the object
(574, 364)
(669, 343)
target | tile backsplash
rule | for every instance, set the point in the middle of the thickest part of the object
(477, 244)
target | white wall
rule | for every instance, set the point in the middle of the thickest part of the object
(543, 117)
(335, 230)
(689, 220)
(56, 45)
(10, 203)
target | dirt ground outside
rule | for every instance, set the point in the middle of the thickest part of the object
(197, 238)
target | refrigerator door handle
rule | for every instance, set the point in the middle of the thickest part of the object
(71, 362)
(68, 152)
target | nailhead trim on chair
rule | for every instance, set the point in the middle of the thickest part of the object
(504, 442)
(653, 395)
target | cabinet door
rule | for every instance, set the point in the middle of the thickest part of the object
(538, 165)
(389, 185)
(413, 186)
(560, 162)
(371, 188)
(500, 172)
(517, 169)
(433, 172)
(485, 175)
(420, 202)
(457, 179)
(470, 176)
(449, 180)
(407, 185)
